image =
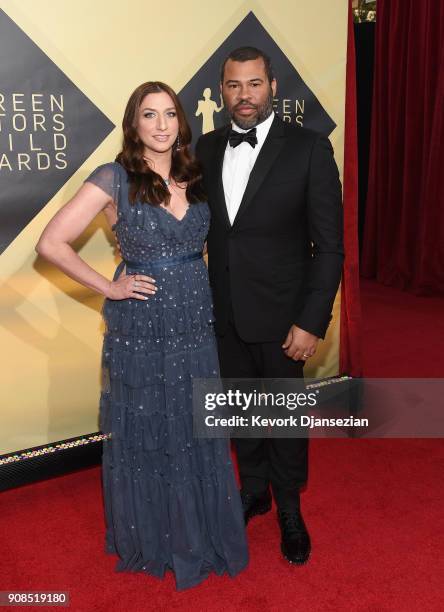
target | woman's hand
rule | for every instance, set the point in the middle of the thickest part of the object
(131, 286)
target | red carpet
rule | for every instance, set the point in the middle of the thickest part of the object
(374, 509)
(403, 333)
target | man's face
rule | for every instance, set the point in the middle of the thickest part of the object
(247, 93)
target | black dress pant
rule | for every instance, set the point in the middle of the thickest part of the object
(281, 462)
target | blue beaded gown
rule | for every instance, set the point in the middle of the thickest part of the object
(171, 500)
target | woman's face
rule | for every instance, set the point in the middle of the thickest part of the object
(157, 123)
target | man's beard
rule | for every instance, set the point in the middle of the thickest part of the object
(262, 112)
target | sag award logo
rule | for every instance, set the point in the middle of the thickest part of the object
(295, 102)
(48, 127)
(207, 107)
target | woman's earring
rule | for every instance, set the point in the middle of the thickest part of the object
(177, 143)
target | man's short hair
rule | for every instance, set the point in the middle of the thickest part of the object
(244, 54)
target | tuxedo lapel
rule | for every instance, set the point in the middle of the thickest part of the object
(221, 204)
(271, 148)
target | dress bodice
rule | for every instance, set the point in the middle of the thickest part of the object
(147, 232)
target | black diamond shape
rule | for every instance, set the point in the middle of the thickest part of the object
(25, 69)
(291, 87)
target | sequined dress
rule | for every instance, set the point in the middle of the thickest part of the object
(171, 501)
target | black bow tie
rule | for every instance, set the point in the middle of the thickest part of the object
(235, 138)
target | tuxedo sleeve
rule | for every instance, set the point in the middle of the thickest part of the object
(325, 224)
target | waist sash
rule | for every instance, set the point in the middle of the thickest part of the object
(156, 264)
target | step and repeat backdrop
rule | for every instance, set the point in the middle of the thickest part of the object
(67, 69)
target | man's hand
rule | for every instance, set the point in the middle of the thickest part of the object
(300, 344)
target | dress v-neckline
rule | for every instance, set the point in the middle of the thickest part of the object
(174, 216)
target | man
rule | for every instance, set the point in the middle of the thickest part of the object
(275, 259)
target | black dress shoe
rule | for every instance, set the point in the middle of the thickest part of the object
(255, 504)
(295, 544)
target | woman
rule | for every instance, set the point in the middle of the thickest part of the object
(171, 501)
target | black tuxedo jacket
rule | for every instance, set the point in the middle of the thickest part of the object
(280, 263)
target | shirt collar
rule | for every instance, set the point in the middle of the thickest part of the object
(261, 128)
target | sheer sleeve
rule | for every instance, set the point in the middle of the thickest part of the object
(107, 178)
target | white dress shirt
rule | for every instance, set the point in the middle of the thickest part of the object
(238, 163)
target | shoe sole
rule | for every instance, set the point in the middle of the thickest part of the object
(259, 511)
(302, 562)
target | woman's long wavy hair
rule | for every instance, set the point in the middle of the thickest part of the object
(145, 184)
